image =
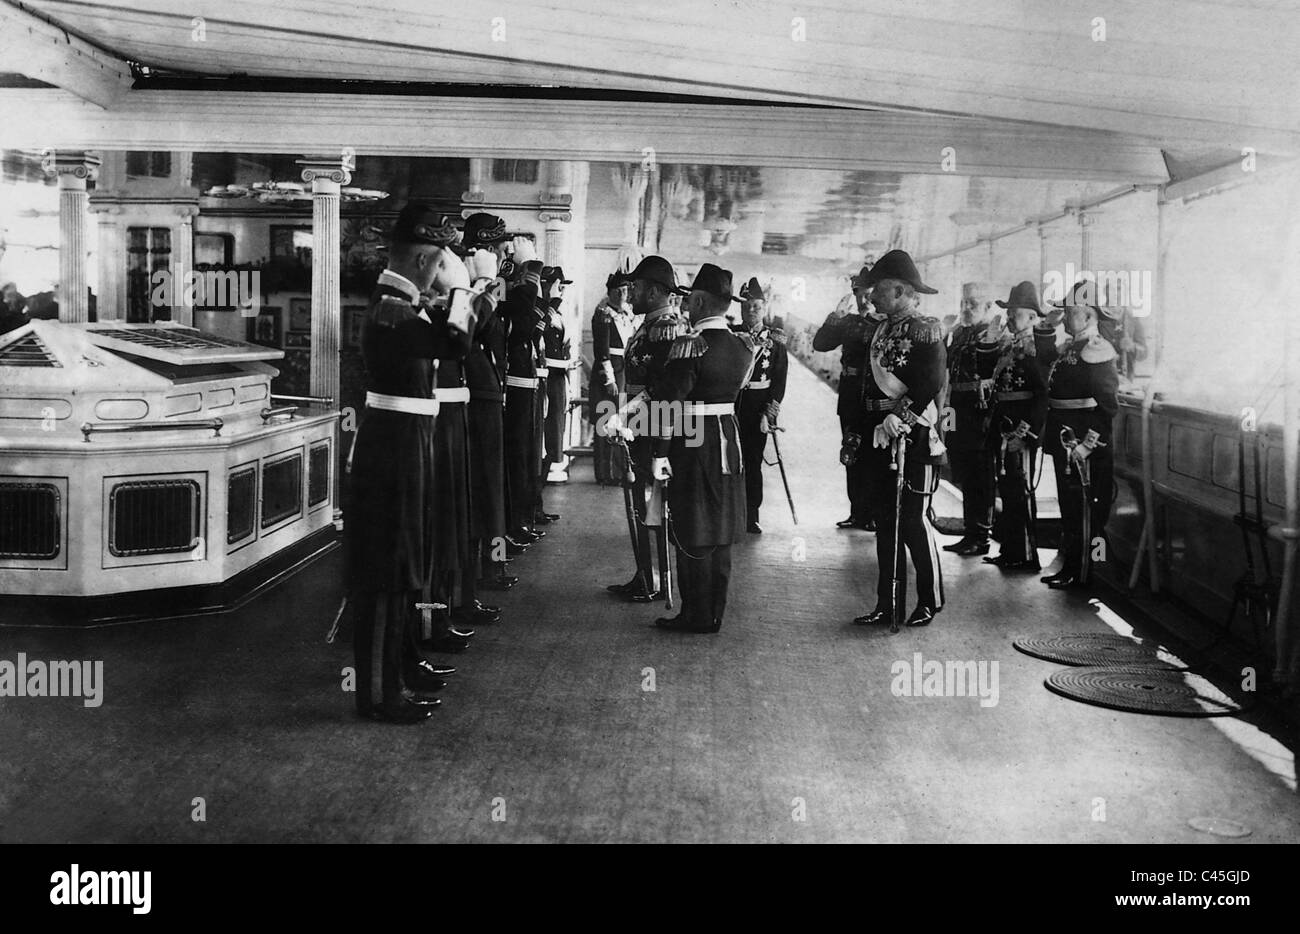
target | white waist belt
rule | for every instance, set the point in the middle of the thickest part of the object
(1088, 403)
(522, 382)
(760, 384)
(558, 364)
(708, 408)
(542, 371)
(408, 404)
(616, 351)
(454, 394)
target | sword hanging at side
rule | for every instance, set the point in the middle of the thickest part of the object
(780, 463)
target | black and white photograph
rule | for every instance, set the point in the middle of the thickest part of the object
(738, 422)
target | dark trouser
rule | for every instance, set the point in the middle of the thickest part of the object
(381, 635)
(520, 468)
(753, 442)
(540, 466)
(857, 483)
(916, 533)
(607, 454)
(640, 487)
(1069, 492)
(972, 471)
(557, 415)
(1019, 537)
(703, 573)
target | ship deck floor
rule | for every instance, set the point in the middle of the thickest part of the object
(786, 713)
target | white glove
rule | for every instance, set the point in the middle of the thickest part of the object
(1022, 429)
(1084, 448)
(524, 251)
(482, 265)
(450, 273)
(660, 468)
(611, 426)
(893, 426)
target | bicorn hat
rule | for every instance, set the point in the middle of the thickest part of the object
(712, 279)
(896, 264)
(752, 291)
(615, 281)
(1023, 295)
(418, 222)
(482, 229)
(653, 269)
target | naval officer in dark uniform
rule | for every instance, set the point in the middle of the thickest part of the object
(520, 314)
(392, 508)
(847, 330)
(653, 284)
(611, 326)
(760, 403)
(559, 361)
(1018, 408)
(906, 368)
(700, 458)
(969, 454)
(1082, 387)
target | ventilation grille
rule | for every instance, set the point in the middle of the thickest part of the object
(281, 490)
(318, 475)
(27, 351)
(30, 523)
(153, 517)
(241, 504)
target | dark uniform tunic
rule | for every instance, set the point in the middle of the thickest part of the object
(610, 328)
(1019, 394)
(392, 504)
(766, 384)
(646, 357)
(540, 406)
(707, 367)
(967, 440)
(484, 372)
(1082, 383)
(519, 313)
(451, 482)
(905, 372)
(849, 332)
(559, 351)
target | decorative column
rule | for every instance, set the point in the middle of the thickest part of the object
(74, 170)
(183, 257)
(1087, 221)
(327, 175)
(471, 201)
(556, 211)
(112, 258)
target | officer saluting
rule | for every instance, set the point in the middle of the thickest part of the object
(760, 403)
(392, 510)
(848, 329)
(905, 373)
(706, 371)
(1082, 383)
(1018, 408)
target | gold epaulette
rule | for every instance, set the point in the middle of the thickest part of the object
(778, 335)
(1097, 350)
(925, 330)
(667, 328)
(688, 346)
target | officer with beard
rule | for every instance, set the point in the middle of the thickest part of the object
(760, 403)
